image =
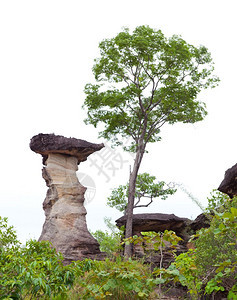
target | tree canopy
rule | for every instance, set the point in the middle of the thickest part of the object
(152, 80)
(146, 187)
(143, 81)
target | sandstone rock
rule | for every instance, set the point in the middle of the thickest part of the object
(201, 221)
(65, 224)
(159, 223)
(155, 222)
(229, 184)
(51, 143)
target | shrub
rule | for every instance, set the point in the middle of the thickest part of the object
(10, 285)
(212, 266)
(216, 257)
(115, 280)
(35, 270)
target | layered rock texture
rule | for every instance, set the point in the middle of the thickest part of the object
(65, 224)
(229, 184)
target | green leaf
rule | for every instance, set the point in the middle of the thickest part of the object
(217, 231)
(141, 294)
(234, 211)
(159, 280)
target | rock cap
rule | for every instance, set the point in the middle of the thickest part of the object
(45, 144)
(154, 222)
(229, 183)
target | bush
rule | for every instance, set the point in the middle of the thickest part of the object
(10, 285)
(35, 270)
(212, 266)
(216, 255)
(115, 280)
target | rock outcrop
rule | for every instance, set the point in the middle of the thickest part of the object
(155, 222)
(201, 221)
(229, 183)
(158, 222)
(65, 224)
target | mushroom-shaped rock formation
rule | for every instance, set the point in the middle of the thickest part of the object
(65, 224)
(46, 144)
(229, 183)
(155, 222)
(159, 223)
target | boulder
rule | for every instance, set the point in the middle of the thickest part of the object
(65, 215)
(229, 183)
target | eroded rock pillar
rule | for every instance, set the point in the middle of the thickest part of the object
(65, 223)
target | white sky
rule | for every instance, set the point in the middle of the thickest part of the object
(46, 55)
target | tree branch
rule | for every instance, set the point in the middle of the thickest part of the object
(128, 126)
(143, 205)
(154, 126)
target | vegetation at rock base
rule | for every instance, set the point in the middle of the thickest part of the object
(149, 81)
(35, 270)
(212, 267)
(116, 279)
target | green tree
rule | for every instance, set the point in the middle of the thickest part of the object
(152, 80)
(146, 187)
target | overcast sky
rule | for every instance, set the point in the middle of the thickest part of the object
(47, 50)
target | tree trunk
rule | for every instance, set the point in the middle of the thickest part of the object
(131, 196)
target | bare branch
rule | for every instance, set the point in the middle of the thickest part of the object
(143, 205)
(139, 199)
